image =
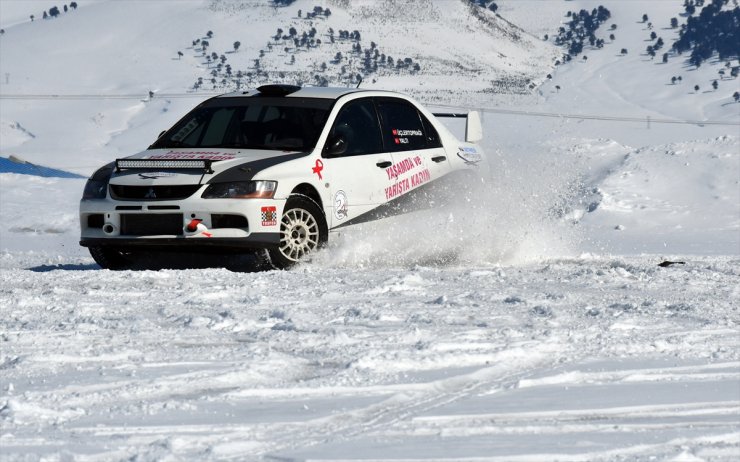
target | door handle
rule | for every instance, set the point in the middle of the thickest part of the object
(439, 159)
(384, 164)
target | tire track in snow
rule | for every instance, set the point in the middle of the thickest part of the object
(402, 407)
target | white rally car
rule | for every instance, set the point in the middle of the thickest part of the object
(273, 170)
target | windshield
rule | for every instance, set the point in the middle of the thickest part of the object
(281, 124)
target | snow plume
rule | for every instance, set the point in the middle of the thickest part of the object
(524, 211)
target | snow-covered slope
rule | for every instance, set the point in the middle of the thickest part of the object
(531, 323)
(137, 52)
(635, 84)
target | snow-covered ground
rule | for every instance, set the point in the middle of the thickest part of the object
(530, 323)
(573, 359)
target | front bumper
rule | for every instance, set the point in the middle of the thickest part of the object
(223, 224)
(168, 244)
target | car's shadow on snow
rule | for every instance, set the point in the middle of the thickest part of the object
(159, 261)
(64, 267)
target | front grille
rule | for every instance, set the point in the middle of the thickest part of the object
(152, 193)
(151, 224)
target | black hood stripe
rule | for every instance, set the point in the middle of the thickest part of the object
(417, 199)
(247, 170)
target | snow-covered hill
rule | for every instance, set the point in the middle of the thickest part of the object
(532, 323)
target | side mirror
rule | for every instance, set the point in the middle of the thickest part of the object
(335, 146)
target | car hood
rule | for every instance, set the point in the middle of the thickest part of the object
(225, 165)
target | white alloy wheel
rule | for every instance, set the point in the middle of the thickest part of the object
(299, 234)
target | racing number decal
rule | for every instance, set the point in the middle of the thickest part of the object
(340, 205)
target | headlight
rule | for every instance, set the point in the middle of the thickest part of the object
(95, 189)
(97, 185)
(241, 190)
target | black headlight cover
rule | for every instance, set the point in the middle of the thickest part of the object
(241, 190)
(97, 185)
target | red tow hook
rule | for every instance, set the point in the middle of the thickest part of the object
(195, 225)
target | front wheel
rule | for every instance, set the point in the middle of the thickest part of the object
(303, 230)
(111, 258)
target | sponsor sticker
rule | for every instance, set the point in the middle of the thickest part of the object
(269, 216)
(402, 182)
(403, 166)
(471, 156)
(404, 185)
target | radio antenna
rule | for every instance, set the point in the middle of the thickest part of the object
(360, 82)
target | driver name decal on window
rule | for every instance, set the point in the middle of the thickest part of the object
(401, 136)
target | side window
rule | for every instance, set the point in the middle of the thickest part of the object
(404, 128)
(355, 130)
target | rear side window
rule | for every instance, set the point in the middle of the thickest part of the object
(404, 127)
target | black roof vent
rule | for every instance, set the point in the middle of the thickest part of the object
(278, 89)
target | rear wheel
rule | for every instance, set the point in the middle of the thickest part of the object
(303, 230)
(112, 258)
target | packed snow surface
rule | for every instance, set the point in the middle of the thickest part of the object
(571, 359)
(528, 322)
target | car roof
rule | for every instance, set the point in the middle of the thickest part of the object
(290, 91)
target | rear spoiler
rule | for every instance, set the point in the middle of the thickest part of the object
(473, 126)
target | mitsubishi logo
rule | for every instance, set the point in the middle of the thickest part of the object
(155, 175)
(150, 194)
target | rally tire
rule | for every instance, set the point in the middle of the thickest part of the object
(303, 230)
(111, 258)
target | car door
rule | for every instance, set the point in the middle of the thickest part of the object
(354, 163)
(419, 158)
